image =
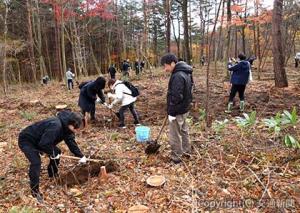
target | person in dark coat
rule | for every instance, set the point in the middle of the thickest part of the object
(239, 79)
(43, 137)
(179, 98)
(112, 71)
(126, 68)
(88, 96)
(137, 67)
(142, 66)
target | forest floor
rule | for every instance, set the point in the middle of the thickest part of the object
(249, 168)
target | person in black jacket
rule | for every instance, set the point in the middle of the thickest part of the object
(179, 98)
(43, 137)
(88, 96)
(125, 69)
(112, 71)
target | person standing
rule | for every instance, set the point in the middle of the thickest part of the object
(137, 67)
(126, 68)
(240, 75)
(70, 76)
(112, 71)
(179, 98)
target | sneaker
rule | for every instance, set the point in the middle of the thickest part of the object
(37, 195)
(176, 159)
(122, 126)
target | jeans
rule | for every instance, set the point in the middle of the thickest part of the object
(133, 112)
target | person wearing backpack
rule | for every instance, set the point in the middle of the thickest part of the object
(88, 96)
(127, 94)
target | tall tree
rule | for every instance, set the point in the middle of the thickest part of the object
(30, 41)
(278, 57)
(187, 52)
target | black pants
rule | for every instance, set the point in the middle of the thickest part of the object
(132, 110)
(112, 75)
(137, 70)
(70, 84)
(92, 112)
(33, 155)
(237, 88)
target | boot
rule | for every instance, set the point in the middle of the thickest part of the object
(229, 107)
(242, 106)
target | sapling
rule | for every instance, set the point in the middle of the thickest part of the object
(248, 121)
(290, 118)
(290, 141)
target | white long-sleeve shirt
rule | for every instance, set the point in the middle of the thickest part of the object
(120, 93)
(70, 75)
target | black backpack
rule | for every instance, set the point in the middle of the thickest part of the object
(134, 91)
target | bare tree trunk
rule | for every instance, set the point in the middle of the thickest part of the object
(207, 108)
(168, 25)
(259, 56)
(30, 41)
(186, 30)
(43, 70)
(179, 37)
(278, 57)
(146, 27)
(63, 51)
(228, 29)
(4, 51)
(57, 61)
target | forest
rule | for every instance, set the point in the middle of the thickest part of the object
(83, 82)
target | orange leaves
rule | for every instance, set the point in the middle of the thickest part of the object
(237, 21)
(237, 8)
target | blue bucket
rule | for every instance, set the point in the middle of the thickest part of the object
(142, 133)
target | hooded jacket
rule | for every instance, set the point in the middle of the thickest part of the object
(46, 134)
(89, 92)
(179, 95)
(240, 73)
(123, 93)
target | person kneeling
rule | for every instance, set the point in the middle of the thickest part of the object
(124, 95)
(42, 137)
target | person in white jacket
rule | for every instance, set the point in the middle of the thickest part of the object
(70, 76)
(123, 95)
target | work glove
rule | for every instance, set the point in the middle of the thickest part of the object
(171, 118)
(55, 157)
(99, 101)
(82, 160)
(110, 95)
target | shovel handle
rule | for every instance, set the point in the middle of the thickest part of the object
(161, 128)
(77, 158)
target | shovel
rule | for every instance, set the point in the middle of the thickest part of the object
(154, 146)
(77, 158)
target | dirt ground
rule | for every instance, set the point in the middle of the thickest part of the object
(233, 165)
